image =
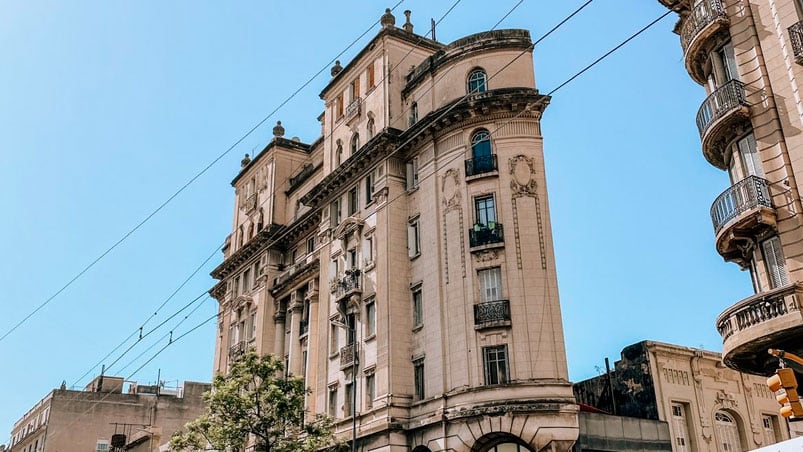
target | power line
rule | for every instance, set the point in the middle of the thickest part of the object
(187, 184)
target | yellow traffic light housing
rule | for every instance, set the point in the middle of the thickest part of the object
(784, 379)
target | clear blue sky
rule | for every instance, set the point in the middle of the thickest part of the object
(106, 108)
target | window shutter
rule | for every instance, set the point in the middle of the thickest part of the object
(776, 266)
(747, 147)
(409, 178)
(411, 251)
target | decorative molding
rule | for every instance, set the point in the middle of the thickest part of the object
(486, 255)
(523, 184)
(450, 187)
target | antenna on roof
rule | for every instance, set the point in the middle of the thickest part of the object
(432, 27)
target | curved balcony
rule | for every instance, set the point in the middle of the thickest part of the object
(796, 38)
(741, 213)
(767, 320)
(706, 19)
(722, 114)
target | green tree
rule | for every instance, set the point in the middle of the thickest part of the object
(255, 401)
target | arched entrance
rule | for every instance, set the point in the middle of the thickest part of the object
(500, 442)
(727, 432)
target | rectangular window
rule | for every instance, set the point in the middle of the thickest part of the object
(237, 288)
(353, 201)
(776, 265)
(247, 280)
(370, 390)
(749, 154)
(418, 308)
(768, 423)
(370, 318)
(490, 284)
(413, 238)
(256, 271)
(369, 74)
(352, 258)
(368, 251)
(369, 188)
(495, 363)
(485, 211)
(354, 90)
(339, 107)
(333, 339)
(311, 245)
(253, 326)
(334, 213)
(349, 405)
(413, 113)
(412, 174)
(418, 379)
(102, 445)
(728, 59)
(332, 401)
(351, 322)
(681, 430)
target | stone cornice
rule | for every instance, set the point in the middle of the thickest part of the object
(247, 251)
(301, 273)
(376, 148)
(465, 48)
(276, 141)
(297, 228)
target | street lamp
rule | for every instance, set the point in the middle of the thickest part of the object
(351, 331)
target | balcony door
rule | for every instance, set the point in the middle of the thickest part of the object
(485, 211)
(490, 284)
(745, 160)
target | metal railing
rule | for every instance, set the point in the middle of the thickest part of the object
(348, 355)
(747, 194)
(702, 14)
(726, 98)
(353, 108)
(348, 283)
(796, 37)
(758, 309)
(488, 234)
(491, 312)
(251, 202)
(237, 349)
(480, 165)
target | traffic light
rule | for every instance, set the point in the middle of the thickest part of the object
(789, 399)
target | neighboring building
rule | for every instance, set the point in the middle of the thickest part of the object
(601, 432)
(68, 420)
(708, 406)
(748, 55)
(404, 258)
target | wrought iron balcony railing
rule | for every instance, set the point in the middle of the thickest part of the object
(348, 355)
(251, 202)
(353, 109)
(758, 309)
(728, 97)
(796, 37)
(703, 14)
(482, 234)
(349, 283)
(237, 349)
(745, 195)
(491, 312)
(480, 165)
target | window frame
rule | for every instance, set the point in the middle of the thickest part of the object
(417, 299)
(774, 262)
(477, 81)
(419, 386)
(370, 318)
(414, 238)
(491, 365)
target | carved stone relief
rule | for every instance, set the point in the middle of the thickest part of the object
(523, 184)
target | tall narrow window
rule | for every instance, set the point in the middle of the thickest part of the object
(482, 159)
(413, 113)
(332, 401)
(370, 319)
(749, 156)
(352, 258)
(355, 143)
(253, 324)
(339, 153)
(370, 390)
(418, 379)
(490, 284)
(311, 245)
(351, 321)
(768, 422)
(334, 213)
(728, 60)
(369, 74)
(727, 433)
(476, 81)
(776, 264)
(681, 431)
(495, 363)
(339, 107)
(368, 251)
(485, 211)
(369, 188)
(349, 405)
(418, 308)
(354, 201)
(333, 339)
(370, 127)
(413, 238)
(354, 89)
(412, 174)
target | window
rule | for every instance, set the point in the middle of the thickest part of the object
(369, 75)
(485, 211)
(237, 288)
(349, 405)
(369, 188)
(352, 258)
(418, 308)
(413, 238)
(768, 423)
(311, 245)
(680, 427)
(727, 433)
(413, 113)
(490, 284)
(749, 156)
(256, 271)
(776, 265)
(334, 213)
(482, 159)
(370, 390)
(370, 128)
(368, 251)
(412, 174)
(351, 322)
(418, 378)
(339, 153)
(353, 201)
(476, 81)
(495, 362)
(339, 107)
(102, 445)
(332, 401)
(252, 324)
(728, 60)
(355, 143)
(333, 339)
(354, 89)
(247, 280)
(370, 318)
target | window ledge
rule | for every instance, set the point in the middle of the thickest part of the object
(488, 325)
(370, 337)
(494, 173)
(415, 256)
(369, 267)
(418, 328)
(334, 355)
(412, 190)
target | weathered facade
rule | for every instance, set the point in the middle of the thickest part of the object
(748, 55)
(68, 420)
(402, 263)
(708, 406)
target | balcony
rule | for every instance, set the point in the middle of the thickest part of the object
(490, 314)
(741, 213)
(719, 118)
(706, 19)
(484, 164)
(237, 350)
(349, 356)
(766, 320)
(796, 37)
(347, 285)
(486, 236)
(353, 109)
(251, 202)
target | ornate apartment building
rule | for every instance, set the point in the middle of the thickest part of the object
(402, 263)
(747, 54)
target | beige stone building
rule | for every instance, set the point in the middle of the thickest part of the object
(709, 407)
(103, 416)
(747, 54)
(402, 262)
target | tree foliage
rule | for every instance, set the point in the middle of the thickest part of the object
(255, 402)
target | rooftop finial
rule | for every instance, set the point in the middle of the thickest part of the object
(336, 68)
(245, 161)
(408, 26)
(278, 130)
(388, 20)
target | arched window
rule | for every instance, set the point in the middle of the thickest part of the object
(370, 125)
(482, 159)
(476, 81)
(355, 143)
(727, 433)
(339, 153)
